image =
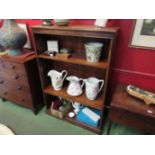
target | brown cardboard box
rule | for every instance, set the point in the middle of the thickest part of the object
(58, 113)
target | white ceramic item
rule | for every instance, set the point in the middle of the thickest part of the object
(77, 106)
(71, 114)
(93, 51)
(75, 88)
(4, 130)
(62, 22)
(92, 87)
(57, 78)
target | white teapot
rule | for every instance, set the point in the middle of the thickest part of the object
(57, 78)
(75, 88)
(92, 87)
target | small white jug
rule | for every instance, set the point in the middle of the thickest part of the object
(77, 106)
(75, 88)
(92, 87)
(57, 78)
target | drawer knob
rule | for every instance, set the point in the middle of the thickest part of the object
(13, 67)
(1, 82)
(23, 100)
(19, 87)
(5, 93)
(16, 77)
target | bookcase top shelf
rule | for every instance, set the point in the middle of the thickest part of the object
(101, 64)
(84, 31)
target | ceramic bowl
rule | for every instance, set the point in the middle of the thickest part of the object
(62, 22)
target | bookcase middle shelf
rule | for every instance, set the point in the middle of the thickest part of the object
(97, 104)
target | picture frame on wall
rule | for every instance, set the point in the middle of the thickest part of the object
(143, 34)
(28, 44)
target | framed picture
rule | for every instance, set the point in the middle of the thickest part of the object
(143, 34)
(52, 45)
(25, 28)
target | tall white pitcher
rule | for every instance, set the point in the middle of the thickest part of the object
(57, 78)
(93, 87)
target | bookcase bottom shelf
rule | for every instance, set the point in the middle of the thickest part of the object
(97, 130)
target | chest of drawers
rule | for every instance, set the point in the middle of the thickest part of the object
(20, 83)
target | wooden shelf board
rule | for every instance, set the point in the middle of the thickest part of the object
(78, 28)
(74, 121)
(80, 124)
(97, 104)
(102, 64)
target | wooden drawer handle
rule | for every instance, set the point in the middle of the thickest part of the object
(1, 82)
(5, 93)
(16, 77)
(13, 67)
(23, 100)
(19, 87)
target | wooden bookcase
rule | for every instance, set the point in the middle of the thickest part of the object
(74, 37)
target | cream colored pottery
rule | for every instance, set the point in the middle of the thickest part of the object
(92, 87)
(75, 88)
(93, 51)
(62, 22)
(57, 78)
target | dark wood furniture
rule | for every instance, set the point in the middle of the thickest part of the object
(74, 38)
(20, 83)
(131, 111)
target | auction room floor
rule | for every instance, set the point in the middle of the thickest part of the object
(23, 122)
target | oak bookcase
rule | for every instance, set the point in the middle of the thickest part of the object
(74, 38)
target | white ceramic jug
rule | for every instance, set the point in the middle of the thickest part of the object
(75, 88)
(92, 87)
(77, 106)
(57, 78)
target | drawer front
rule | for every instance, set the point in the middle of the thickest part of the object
(12, 66)
(15, 92)
(14, 77)
(13, 71)
(14, 86)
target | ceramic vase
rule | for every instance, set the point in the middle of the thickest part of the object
(93, 51)
(12, 37)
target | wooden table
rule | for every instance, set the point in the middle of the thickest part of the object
(131, 111)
